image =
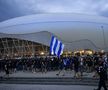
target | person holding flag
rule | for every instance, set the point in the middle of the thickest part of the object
(56, 48)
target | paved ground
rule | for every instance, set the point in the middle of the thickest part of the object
(48, 74)
(44, 87)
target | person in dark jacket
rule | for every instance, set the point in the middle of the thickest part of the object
(7, 69)
(62, 66)
(103, 76)
(76, 67)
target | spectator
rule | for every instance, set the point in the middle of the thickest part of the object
(103, 76)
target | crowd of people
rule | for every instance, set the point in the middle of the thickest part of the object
(97, 63)
(78, 63)
(37, 64)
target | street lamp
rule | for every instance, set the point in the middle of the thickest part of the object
(104, 41)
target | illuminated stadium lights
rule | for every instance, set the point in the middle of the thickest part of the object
(42, 53)
(102, 51)
(82, 51)
(69, 52)
(89, 52)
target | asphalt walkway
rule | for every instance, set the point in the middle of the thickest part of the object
(48, 74)
(44, 87)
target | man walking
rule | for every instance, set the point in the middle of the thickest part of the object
(103, 76)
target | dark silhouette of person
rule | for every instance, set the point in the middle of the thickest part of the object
(7, 69)
(103, 76)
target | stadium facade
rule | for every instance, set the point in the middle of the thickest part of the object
(31, 35)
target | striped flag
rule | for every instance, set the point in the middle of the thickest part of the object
(56, 47)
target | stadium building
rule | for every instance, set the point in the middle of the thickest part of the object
(31, 35)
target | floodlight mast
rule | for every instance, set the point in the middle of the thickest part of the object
(104, 39)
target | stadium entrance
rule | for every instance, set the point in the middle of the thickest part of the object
(17, 48)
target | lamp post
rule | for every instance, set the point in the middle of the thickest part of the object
(104, 41)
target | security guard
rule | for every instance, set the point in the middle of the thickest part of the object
(103, 76)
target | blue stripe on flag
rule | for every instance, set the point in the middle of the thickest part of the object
(60, 48)
(55, 46)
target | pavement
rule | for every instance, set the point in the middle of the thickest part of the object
(44, 87)
(48, 74)
(51, 74)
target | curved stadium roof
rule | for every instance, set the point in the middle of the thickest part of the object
(75, 30)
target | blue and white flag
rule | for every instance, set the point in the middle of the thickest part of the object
(56, 47)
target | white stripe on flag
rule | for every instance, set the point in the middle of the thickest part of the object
(62, 49)
(57, 48)
(54, 41)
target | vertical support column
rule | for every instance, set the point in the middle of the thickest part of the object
(28, 46)
(23, 48)
(46, 49)
(4, 48)
(19, 47)
(43, 50)
(104, 39)
(15, 46)
(7, 46)
(12, 48)
(33, 49)
(0, 49)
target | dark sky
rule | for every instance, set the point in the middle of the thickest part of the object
(15, 8)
